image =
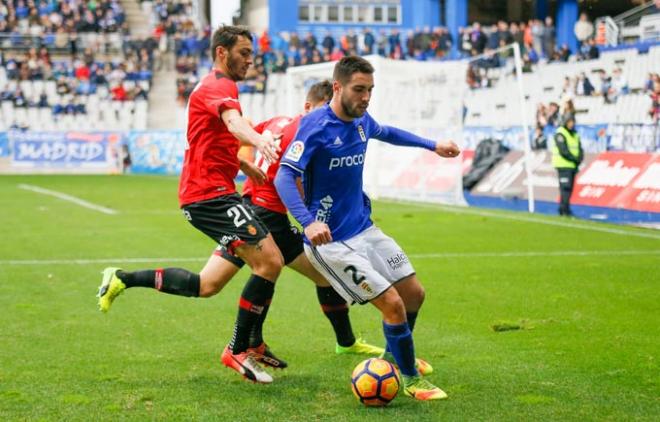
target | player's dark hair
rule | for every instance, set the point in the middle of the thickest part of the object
(226, 36)
(348, 65)
(320, 91)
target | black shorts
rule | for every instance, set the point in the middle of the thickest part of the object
(227, 221)
(287, 236)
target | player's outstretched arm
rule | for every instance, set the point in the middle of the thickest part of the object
(245, 133)
(396, 136)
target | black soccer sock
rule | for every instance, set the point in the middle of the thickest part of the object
(176, 281)
(256, 336)
(257, 292)
(336, 309)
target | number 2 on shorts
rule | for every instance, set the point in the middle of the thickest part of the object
(354, 273)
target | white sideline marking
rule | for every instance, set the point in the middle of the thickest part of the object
(69, 198)
(515, 254)
(531, 253)
(573, 225)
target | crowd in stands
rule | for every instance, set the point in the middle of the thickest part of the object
(609, 87)
(275, 53)
(536, 40)
(31, 31)
(73, 79)
(39, 17)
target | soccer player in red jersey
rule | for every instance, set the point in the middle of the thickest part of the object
(209, 201)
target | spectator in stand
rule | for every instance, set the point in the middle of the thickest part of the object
(119, 92)
(583, 30)
(328, 42)
(650, 81)
(518, 34)
(394, 41)
(567, 107)
(654, 111)
(563, 54)
(540, 142)
(548, 37)
(541, 115)
(381, 43)
(593, 53)
(465, 41)
(584, 86)
(264, 43)
(552, 114)
(309, 42)
(602, 86)
(478, 39)
(473, 80)
(369, 41)
(619, 85)
(569, 87)
(537, 36)
(445, 41)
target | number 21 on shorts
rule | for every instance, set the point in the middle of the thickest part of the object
(239, 214)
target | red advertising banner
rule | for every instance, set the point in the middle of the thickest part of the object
(644, 193)
(620, 180)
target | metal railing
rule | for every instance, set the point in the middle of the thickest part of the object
(633, 16)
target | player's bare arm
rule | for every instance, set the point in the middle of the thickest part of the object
(447, 149)
(253, 172)
(240, 127)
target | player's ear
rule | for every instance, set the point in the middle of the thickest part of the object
(221, 52)
(307, 107)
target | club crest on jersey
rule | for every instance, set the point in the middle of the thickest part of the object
(295, 151)
(362, 135)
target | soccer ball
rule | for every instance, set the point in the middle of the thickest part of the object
(375, 382)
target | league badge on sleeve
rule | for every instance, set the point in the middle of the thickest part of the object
(295, 151)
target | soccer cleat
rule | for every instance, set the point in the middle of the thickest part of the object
(420, 389)
(263, 355)
(245, 364)
(360, 347)
(111, 287)
(423, 367)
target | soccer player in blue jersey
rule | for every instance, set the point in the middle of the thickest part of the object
(341, 241)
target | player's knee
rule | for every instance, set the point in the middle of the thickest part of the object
(269, 266)
(392, 307)
(208, 290)
(208, 287)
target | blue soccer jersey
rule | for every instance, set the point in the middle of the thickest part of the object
(330, 153)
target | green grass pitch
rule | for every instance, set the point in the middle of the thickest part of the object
(515, 328)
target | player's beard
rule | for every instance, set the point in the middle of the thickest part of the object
(236, 73)
(350, 111)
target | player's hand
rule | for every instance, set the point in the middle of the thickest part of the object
(318, 233)
(269, 146)
(447, 149)
(253, 172)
